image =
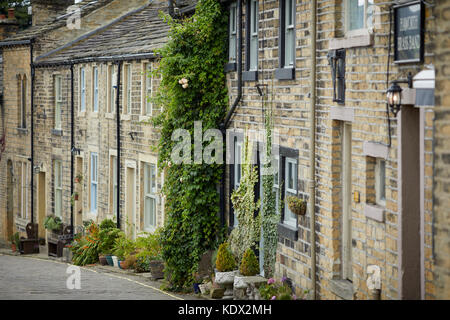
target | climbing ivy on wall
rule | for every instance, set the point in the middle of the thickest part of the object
(193, 88)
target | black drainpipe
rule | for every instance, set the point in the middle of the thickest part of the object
(32, 131)
(119, 65)
(72, 144)
(224, 125)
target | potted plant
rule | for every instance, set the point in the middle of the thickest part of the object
(108, 234)
(244, 283)
(225, 265)
(274, 290)
(79, 178)
(53, 224)
(296, 205)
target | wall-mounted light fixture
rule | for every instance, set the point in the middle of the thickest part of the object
(133, 134)
(76, 151)
(394, 94)
(336, 59)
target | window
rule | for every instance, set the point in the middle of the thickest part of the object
(95, 89)
(94, 182)
(276, 184)
(58, 187)
(237, 163)
(233, 33)
(252, 35)
(380, 182)
(58, 101)
(23, 189)
(289, 32)
(149, 197)
(290, 184)
(147, 89)
(113, 185)
(127, 88)
(82, 90)
(111, 92)
(22, 84)
(359, 14)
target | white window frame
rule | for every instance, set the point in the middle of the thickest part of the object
(23, 189)
(23, 101)
(253, 41)
(289, 217)
(82, 89)
(93, 183)
(95, 96)
(58, 189)
(58, 101)
(276, 183)
(147, 89)
(237, 163)
(232, 38)
(380, 182)
(150, 182)
(361, 31)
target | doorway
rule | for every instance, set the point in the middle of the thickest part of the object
(78, 210)
(130, 202)
(42, 204)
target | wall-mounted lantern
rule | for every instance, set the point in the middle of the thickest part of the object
(394, 94)
(336, 59)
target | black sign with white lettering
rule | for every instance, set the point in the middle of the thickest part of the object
(408, 32)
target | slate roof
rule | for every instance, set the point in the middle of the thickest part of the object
(141, 31)
(86, 7)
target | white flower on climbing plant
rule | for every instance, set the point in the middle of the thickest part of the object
(184, 82)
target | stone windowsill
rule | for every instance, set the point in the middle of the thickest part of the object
(230, 67)
(342, 288)
(360, 39)
(81, 114)
(109, 115)
(125, 117)
(22, 130)
(144, 118)
(94, 115)
(375, 150)
(374, 212)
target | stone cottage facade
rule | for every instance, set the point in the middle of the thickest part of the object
(373, 171)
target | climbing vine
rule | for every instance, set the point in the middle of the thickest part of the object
(246, 235)
(193, 88)
(269, 211)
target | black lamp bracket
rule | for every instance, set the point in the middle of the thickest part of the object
(408, 80)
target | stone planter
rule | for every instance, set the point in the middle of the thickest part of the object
(157, 269)
(246, 288)
(226, 279)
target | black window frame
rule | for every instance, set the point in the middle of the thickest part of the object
(250, 75)
(284, 72)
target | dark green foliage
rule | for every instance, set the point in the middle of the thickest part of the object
(108, 234)
(20, 10)
(249, 264)
(196, 51)
(225, 261)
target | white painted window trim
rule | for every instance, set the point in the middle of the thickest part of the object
(93, 174)
(146, 90)
(232, 37)
(237, 163)
(95, 91)
(58, 186)
(356, 32)
(127, 86)
(254, 28)
(151, 194)
(82, 95)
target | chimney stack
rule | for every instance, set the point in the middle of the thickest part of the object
(11, 14)
(44, 11)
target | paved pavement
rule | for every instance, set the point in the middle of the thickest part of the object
(28, 278)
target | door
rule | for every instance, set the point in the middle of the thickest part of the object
(78, 210)
(10, 200)
(42, 205)
(347, 270)
(130, 201)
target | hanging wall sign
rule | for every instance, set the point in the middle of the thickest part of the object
(408, 32)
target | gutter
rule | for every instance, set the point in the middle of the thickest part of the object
(225, 123)
(312, 149)
(125, 57)
(72, 145)
(16, 43)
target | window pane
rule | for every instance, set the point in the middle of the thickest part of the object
(254, 36)
(355, 14)
(153, 179)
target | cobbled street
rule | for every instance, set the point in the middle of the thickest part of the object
(33, 278)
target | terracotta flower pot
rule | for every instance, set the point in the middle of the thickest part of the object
(123, 264)
(76, 197)
(13, 247)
